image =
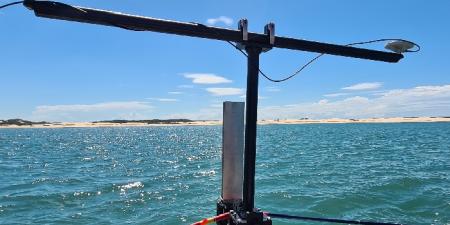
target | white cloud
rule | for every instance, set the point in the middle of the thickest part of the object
(91, 112)
(225, 91)
(167, 99)
(206, 78)
(417, 101)
(94, 107)
(335, 95)
(163, 99)
(419, 92)
(364, 86)
(175, 92)
(350, 107)
(221, 19)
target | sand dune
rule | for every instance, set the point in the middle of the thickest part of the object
(217, 122)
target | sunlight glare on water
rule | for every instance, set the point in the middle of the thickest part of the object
(171, 175)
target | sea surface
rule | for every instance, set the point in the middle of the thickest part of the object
(172, 175)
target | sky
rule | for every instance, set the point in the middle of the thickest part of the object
(64, 71)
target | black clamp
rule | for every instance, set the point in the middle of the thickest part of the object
(243, 27)
(231, 206)
(249, 218)
(269, 30)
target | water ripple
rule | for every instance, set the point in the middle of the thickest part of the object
(171, 175)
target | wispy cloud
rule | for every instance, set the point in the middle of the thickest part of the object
(335, 95)
(364, 86)
(417, 101)
(164, 99)
(89, 112)
(206, 78)
(221, 19)
(175, 92)
(225, 91)
(94, 107)
(419, 93)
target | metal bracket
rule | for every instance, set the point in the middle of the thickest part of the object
(239, 216)
(231, 206)
(250, 218)
(243, 27)
(269, 30)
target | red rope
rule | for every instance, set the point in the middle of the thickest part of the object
(223, 216)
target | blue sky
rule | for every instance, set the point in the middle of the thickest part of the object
(64, 71)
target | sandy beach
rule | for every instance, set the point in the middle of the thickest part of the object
(218, 122)
(368, 120)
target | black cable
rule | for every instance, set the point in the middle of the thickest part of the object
(284, 216)
(316, 57)
(388, 39)
(313, 59)
(321, 54)
(10, 4)
(295, 73)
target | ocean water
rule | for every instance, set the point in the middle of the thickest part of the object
(171, 175)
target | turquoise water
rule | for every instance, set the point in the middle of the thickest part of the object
(171, 175)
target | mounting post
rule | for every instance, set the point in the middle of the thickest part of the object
(250, 126)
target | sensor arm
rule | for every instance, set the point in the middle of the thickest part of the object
(56, 10)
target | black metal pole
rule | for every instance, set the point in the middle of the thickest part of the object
(250, 126)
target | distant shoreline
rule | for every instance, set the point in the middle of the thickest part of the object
(218, 122)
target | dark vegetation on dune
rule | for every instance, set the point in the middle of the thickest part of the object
(152, 121)
(20, 122)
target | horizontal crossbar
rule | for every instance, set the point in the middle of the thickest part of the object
(56, 10)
